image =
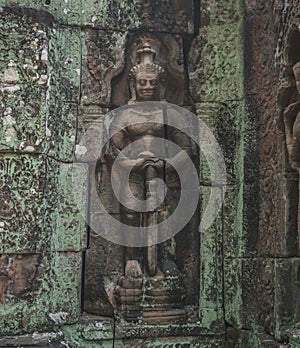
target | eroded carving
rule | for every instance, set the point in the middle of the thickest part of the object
(289, 106)
(291, 118)
(168, 54)
(151, 287)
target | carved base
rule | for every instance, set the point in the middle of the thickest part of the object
(158, 316)
(128, 303)
(154, 300)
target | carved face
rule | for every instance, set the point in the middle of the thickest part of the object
(146, 87)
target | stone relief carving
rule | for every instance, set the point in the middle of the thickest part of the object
(291, 118)
(151, 287)
(289, 103)
(105, 63)
(288, 96)
(168, 54)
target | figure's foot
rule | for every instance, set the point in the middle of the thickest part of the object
(129, 291)
(133, 277)
(133, 269)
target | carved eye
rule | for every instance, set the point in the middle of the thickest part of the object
(152, 83)
(142, 82)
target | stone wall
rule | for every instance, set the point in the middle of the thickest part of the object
(59, 61)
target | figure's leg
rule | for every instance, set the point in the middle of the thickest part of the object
(131, 218)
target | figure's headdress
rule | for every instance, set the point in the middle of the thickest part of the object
(145, 64)
(145, 60)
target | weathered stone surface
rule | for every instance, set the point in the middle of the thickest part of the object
(158, 15)
(277, 212)
(64, 12)
(171, 343)
(222, 119)
(39, 94)
(34, 340)
(91, 135)
(64, 280)
(61, 131)
(241, 229)
(294, 336)
(242, 338)
(22, 204)
(23, 83)
(24, 50)
(64, 91)
(278, 216)
(234, 236)
(249, 285)
(103, 266)
(50, 282)
(104, 262)
(65, 60)
(102, 60)
(232, 292)
(215, 57)
(219, 14)
(20, 276)
(23, 125)
(211, 299)
(38, 206)
(250, 142)
(188, 259)
(287, 289)
(39, 100)
(94, 331)
(66, 205)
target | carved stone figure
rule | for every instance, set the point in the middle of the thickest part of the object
(291, 116)
(149, 271)
(292, 124)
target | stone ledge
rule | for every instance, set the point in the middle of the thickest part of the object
(93, 328)
(34, 340)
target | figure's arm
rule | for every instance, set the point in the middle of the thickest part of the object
(291, 117)
(118, 142)
(183, 141)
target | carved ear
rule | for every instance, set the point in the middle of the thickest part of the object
(132, 90)
(162, 91)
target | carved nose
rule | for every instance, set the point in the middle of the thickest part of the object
(148, 85)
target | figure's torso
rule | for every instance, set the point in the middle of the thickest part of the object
(140, 130)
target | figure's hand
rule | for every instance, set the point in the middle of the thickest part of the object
(130, 164)
(160, 164)
(137, 165)
(157, 163)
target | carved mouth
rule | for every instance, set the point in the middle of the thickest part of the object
(147, 92)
